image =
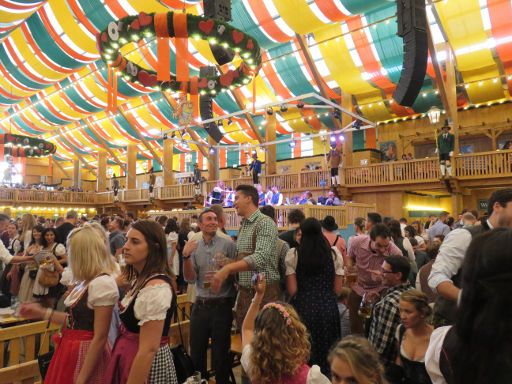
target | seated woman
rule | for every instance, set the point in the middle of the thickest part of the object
(83, 353)
(275, 344)
(353, 361)
(413, 336)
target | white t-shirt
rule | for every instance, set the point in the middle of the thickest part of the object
(102, 292)
(314, 374)
(151, 304)
(292, 258)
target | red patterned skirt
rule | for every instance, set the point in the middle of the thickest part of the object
(70, 355)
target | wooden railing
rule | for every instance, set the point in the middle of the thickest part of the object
(396, 172)
(484, 165)
(344, 215)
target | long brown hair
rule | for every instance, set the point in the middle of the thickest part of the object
(156, 261)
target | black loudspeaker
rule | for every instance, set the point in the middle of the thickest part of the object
(222, 55)
(412, 27)
(206, 109)
(217, 9)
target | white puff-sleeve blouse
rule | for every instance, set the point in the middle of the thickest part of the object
(152, 303)
(292, 259)
(102, 292)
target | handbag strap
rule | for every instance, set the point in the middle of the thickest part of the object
(44, 337)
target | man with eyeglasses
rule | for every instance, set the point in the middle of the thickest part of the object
(367, 253)
(386, 313)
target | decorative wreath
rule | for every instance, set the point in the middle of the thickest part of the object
(134, 28)
(24, 146)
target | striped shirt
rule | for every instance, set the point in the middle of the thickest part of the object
(264, 258)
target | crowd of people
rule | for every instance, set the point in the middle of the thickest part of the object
(394, 303)
(225, 196)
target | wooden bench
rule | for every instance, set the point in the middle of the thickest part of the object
(22, 342)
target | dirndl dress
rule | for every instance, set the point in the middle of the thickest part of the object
(162, 369)
(72, 348)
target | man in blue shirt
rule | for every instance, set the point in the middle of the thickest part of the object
(439, 227)
(255, 168)
(212, 314)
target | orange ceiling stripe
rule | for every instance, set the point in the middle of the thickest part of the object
(82, 18)
(370, 62)
(311, 119)
(19, 64)
(266, 22)
(39, 53)
(330, 10)
(62, 45)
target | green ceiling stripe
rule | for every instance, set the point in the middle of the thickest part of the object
(96, 12)
(45, 112)
(362, 6)
(283, 151)
(46, 44)
(81, 102)
(126, 126)
(122, 87)
(226, 102)
(25, 126)
(243, 21)
(16, 72)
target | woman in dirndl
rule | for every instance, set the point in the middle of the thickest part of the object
(83, 353)
(141, 353)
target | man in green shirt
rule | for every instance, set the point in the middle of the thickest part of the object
(256, 252)
(445, 145)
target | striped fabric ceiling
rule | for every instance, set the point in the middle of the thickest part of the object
(53, 83)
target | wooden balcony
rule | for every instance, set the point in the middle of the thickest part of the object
(344, 215)
(486, 168)
(479, 169)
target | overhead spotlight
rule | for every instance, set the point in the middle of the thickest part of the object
(220, 124)
(173, 135)
(230, 121)
(341, 138)
(292, 144)
(336, 113)
(333, 139)
(356, 124)
(165, 136)
(284, 108)
(300, 104)
(270, 111)
(211, 150)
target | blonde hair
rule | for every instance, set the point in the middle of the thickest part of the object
(27, 224)
(88, 253)
(280, 345)
(419, 300)
(362, 359)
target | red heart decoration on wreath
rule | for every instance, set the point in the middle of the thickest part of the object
(146, 79)
(227, 79)
(206, 26)
(250, 45)
(104, 37)
(135, 25)
(203, 82)
(145, 19)
(238, 36)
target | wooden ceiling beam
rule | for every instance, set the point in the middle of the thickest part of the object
(102, 143)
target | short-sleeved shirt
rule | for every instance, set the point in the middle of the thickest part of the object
(201, 259)
(367, 259)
